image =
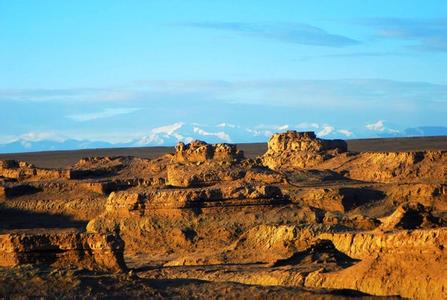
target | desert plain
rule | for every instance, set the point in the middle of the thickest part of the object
(297, 218)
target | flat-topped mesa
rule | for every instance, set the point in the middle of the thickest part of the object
(294, 149)
(199, 151)
(303, 141)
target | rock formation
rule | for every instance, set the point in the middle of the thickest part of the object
(198, 151)
(21, 170)
(62, 248)
(410, 216)
(406, 263)
(307, 216)
(401, 167)
(300, 150)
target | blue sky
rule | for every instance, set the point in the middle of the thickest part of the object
(118, 71)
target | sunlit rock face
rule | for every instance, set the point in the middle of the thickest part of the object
(198, 151)
(294, 149)
(62, 248)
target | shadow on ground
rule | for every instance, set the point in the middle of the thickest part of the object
(12, 218)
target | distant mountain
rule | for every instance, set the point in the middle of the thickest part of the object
(171, 134)
(426, 131)
(48, 145)
(168, 135)
(222, 133)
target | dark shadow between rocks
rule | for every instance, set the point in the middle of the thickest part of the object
(16, 190)
(12, 218)
(355, 197)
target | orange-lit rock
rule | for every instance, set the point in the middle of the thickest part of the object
(62, 248)
(308, 214)
(300, 150)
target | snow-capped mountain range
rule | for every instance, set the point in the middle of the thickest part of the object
(169, 135)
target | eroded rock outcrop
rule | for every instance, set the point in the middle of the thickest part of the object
(198, 151)
(397, 167)
(305, 214)
(410, 216)
(399, 263)
(336, 199)
(363, 245)
(189, 198)
(294, 149)
(415, 276)
(192, 175)
(21, 170)
(62, 248)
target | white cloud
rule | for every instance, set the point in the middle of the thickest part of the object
(221, 135)
(259, 132)
(229, 125)
(307, 126)
(345, 132)
(378, 126)
(377, 95)
(326, 130)
(26, 144)
(282, 127)
(106, 113)
(271, 127)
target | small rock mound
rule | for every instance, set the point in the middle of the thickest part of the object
(199, 151)
(300, 150)
(410, 216)
(323, 251)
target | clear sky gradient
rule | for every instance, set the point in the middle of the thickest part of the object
(118, 71)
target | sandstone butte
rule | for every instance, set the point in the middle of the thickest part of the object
(307, 219)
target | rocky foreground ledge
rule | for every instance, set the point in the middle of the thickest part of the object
(306, 219)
